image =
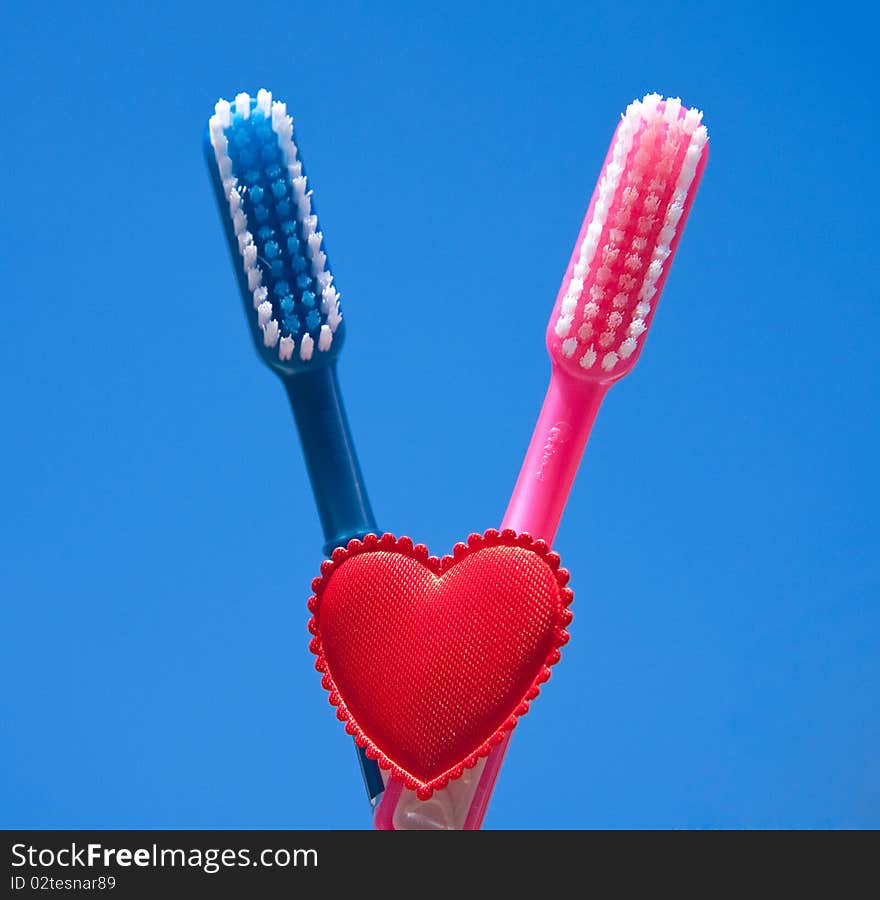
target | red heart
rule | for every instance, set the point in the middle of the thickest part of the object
(429, 660)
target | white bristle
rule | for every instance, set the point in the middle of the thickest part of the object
(264, 313)
(672, 110)
(569, 345)
(264, 102)
(279, 111)
(319, 258)
(627, 348)
(243, 105)
(688, 172)
(652, 204)
(306, 348)
(244, 239)
(215, 128)
(221, 150)
(329, 299)
(667, 233)
(691, 120)
(271, 333)
(587, 360)
(288, 148)
(694, 150)
(325, 338)
(622, 216)
(563, 326)
(309, 226)
(609, 361)
(239, 222)
(324, 279)
(649, 106)
(284, 129)
(223, 111)
(330, 307)
(610, 254)
(254, 278)
(588, 248)
(250, 256)
(285, 349)
(636, 328)
(261, 295)
(224, 166)
(673, 214)
(590, 245)
(221, 146)
(299, 187)
(661, 252)
(304, 205)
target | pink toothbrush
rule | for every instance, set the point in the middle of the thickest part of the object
(596, 332)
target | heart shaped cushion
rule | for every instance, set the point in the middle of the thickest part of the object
(429, 661)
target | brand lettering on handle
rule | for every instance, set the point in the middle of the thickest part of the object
(556, 437)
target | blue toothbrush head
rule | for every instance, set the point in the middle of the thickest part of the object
(291, 302)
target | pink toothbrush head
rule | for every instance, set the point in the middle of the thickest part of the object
(630, 233)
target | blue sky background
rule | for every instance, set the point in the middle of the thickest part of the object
(158, 534)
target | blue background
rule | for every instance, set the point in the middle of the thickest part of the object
(158, 533)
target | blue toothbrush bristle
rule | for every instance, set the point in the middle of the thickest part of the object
(270, 209)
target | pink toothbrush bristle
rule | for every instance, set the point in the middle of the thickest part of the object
(628, 238)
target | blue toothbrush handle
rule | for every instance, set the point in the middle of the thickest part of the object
(337, 482)
(331, 460)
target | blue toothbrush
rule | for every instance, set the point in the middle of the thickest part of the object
(291, 304)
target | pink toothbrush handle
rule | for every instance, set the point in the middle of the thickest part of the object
(553, 457)
(536, 506)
